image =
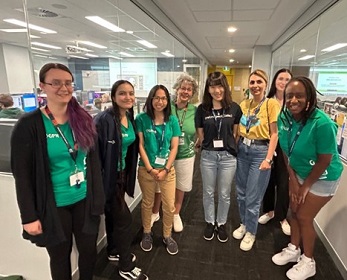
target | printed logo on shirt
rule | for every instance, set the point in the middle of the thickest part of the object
(325, 173)
(52, 135)
(149, 130)
(125, 135)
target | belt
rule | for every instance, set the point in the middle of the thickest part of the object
(256, 141)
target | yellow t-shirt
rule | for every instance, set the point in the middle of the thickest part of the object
(259, 128)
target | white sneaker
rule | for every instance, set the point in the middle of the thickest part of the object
(177, 223)
(285, 227)
(240, 232)
(304, 269)
(247, 242)
(288, 254)
(263, 219)
(154, 218)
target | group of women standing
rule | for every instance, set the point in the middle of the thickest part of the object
(63, 187)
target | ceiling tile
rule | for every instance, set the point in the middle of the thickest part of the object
(208, 5)
(255, 4)
(217, 16)
(252, 15)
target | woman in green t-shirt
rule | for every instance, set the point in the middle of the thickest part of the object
(158, 133)
(308, 139)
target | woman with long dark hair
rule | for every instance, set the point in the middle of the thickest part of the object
(308, 139)
(216, 122)
(276, 198)
(118, 149)
(158, 131)
(57, 175)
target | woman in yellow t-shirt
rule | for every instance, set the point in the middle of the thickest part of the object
(256, 147)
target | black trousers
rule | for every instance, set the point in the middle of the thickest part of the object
(276, 197)
(72, 220)
(118, 222)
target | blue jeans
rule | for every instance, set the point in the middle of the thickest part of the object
(251, 183)
(217, 168)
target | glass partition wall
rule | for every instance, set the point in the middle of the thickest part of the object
(100, 41)
(319, 51)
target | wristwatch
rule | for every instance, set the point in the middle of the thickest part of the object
(270, 161)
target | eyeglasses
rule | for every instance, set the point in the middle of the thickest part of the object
(186, 89)
(58, 84)
(158, 98)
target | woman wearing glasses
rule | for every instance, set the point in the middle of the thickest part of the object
(185, 87)
(159, 133)
(57, 175)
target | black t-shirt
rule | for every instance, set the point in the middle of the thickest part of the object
(210, 123)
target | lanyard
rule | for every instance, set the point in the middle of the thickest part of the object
(181, 121)
(219, 126)
(159, 140)
(72, 151)
(256, 111)
(291, 146)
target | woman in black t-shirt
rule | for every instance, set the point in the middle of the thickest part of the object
(216, 122)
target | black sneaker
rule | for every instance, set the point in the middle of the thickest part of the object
(135, 274)
(115, 257)
(146, 243)
(222, 233)
(171, 245)
(209, 231)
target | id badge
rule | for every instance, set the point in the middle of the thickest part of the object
(181, 141)
(160, 161)
(217, 143)
(76, 179)
(247, 141)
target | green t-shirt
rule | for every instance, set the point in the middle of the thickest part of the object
(186, 121)
(62, 166)
(128, 137)
(157, 138)
(318, 136)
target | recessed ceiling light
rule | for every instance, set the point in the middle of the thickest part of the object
(115, 57)
(14, 30)
(129, 32)
(91, 55)
(80, 57)
(92, 44)
(231, 50)
(126, 54)
(31, 26)
(34, 36)
(232, 29)
(335, 47)
(303, 50)
(45, 45)
(168, 54)
(231, 60)
(38, 49)
(147, 44)
(184, 60)
(105, 23)
(306, 57)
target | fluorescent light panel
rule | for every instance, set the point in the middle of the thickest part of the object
(147, 44)
(80, 57)
(45, 45)
(126, 54)
(335, 47)
(14, 30)
(306, 57)
(105, 23)
(38, 49)
(91, 55)
(92, 44)
(115, 57)
(31, 26)
(167, 54)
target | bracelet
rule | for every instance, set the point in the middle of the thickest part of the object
(167, 170)
(149, 171)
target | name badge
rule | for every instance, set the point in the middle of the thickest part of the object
(247, 141)
(76, 179)
(159, 160)
(217, 143)
(181, 141)
(182, 134)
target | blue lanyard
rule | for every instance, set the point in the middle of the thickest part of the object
(256, 111)
(291, 146)
(219, 125)
(160, 140)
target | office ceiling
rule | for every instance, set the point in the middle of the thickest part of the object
(203, 22)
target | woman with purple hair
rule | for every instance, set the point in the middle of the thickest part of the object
(57, 175)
